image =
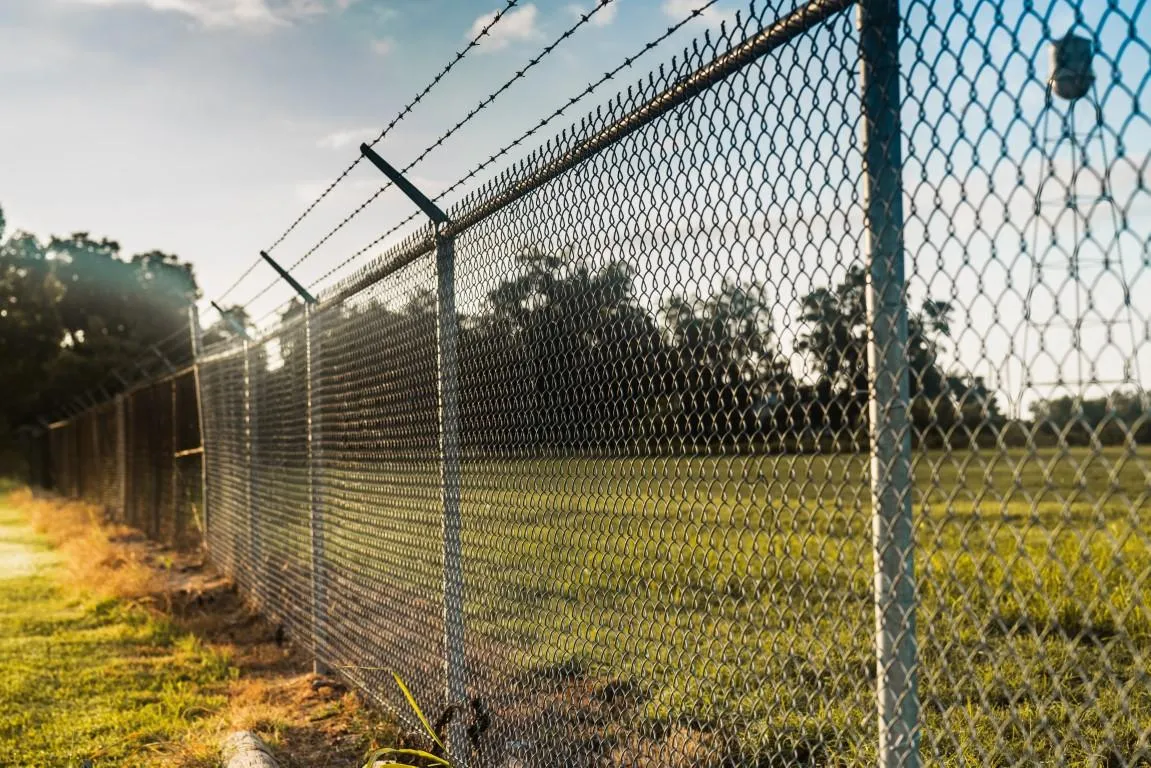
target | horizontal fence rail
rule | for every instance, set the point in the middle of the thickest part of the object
(787, 410)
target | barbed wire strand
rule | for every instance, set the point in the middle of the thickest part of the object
(544, 122)
(479, 107)
(459, 56)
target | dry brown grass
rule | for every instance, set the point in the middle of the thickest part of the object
(307, 720)
(94, 557)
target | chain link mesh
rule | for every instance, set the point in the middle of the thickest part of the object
(138, 459)
(800, 415)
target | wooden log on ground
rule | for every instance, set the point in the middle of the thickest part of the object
(244, 749)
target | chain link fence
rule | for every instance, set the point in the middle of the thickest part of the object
(139, 458)
(785, 411)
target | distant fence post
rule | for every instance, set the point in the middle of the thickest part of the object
(312, 334)
(447, 331)
(253, 554)
(122, 457)
(888, 390)
(197, 353)
(174, 484)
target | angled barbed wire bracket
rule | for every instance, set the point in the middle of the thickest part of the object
(120, 378)
(307, 297)
(231, 321)
(416, 196)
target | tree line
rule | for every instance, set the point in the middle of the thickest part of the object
(76, 309)
(560, 354)
(568, 357)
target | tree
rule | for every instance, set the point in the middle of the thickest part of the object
(1112, 419)
(836, 340)
(77, 311)
(30, 327)
(576, 351)
(725, 369)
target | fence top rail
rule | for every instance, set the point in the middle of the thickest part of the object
(179, 372)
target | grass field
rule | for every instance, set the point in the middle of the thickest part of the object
(736, 594)
(729, 600)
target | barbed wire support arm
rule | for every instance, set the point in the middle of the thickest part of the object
(430, 209)
(231, 321)
(301, 290)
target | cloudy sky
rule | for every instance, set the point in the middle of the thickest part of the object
(204, 127)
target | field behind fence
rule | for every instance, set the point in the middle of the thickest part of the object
(786, 410)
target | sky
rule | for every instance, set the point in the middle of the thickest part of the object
(204, 127)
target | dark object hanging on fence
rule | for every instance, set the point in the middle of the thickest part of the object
(1071, 72)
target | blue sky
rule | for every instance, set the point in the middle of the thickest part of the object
(203, 127)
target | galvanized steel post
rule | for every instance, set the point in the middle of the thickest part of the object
(253, 558)
(888, 390)
(122, 457)
(197, 353)
(312, 333)
(447, 339)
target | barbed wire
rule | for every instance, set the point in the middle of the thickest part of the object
(460, 54)
(480, 167)
(544, 122)
(475, 41)
(483, 104)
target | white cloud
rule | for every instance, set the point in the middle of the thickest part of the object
(383, 46)
(604, 16)
(232, 13)
(681, 9)
(515, 25)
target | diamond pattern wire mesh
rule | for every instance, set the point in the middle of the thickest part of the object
(730, 357)
(123, 457)
(379, 480)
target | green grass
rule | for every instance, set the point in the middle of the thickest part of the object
(733, 597)
(735, 594)
(85, 679)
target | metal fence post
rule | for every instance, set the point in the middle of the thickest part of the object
(197, 352)
(250, 445)
(888, 390)
(447, 339)
(175, 480)
(315, 492)
(447, 329)
(122, 457)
